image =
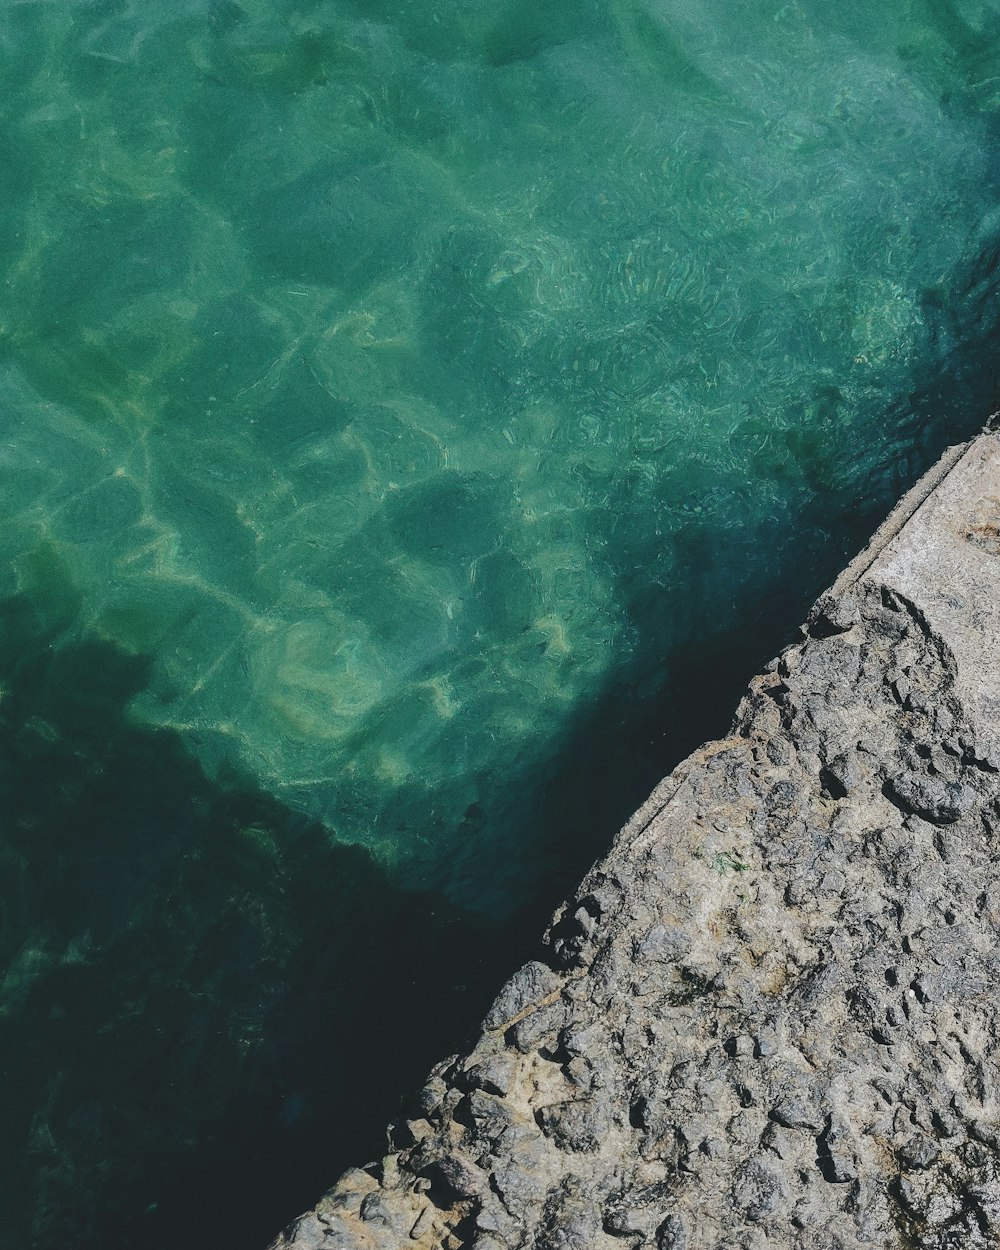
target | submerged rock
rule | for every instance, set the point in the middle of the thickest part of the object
(770, 1017)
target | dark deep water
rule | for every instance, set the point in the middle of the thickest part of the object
(416, 425)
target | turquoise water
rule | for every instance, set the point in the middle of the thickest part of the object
(415, 423)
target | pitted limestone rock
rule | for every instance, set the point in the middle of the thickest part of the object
(769, 1017)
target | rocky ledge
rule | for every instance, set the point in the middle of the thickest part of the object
(769, 1018)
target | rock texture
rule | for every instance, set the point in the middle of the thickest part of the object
(769, 1017)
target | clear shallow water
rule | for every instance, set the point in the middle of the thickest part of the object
(405, 409)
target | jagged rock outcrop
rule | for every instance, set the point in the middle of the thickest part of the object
(769, 1018)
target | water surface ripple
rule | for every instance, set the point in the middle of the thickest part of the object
(416, 421)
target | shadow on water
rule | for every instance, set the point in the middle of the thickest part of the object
(211, 1009)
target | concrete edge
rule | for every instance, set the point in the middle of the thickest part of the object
(906, 509)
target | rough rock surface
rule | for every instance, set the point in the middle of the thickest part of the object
(769, 1018)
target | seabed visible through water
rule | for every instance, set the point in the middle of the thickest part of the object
(416, 424)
